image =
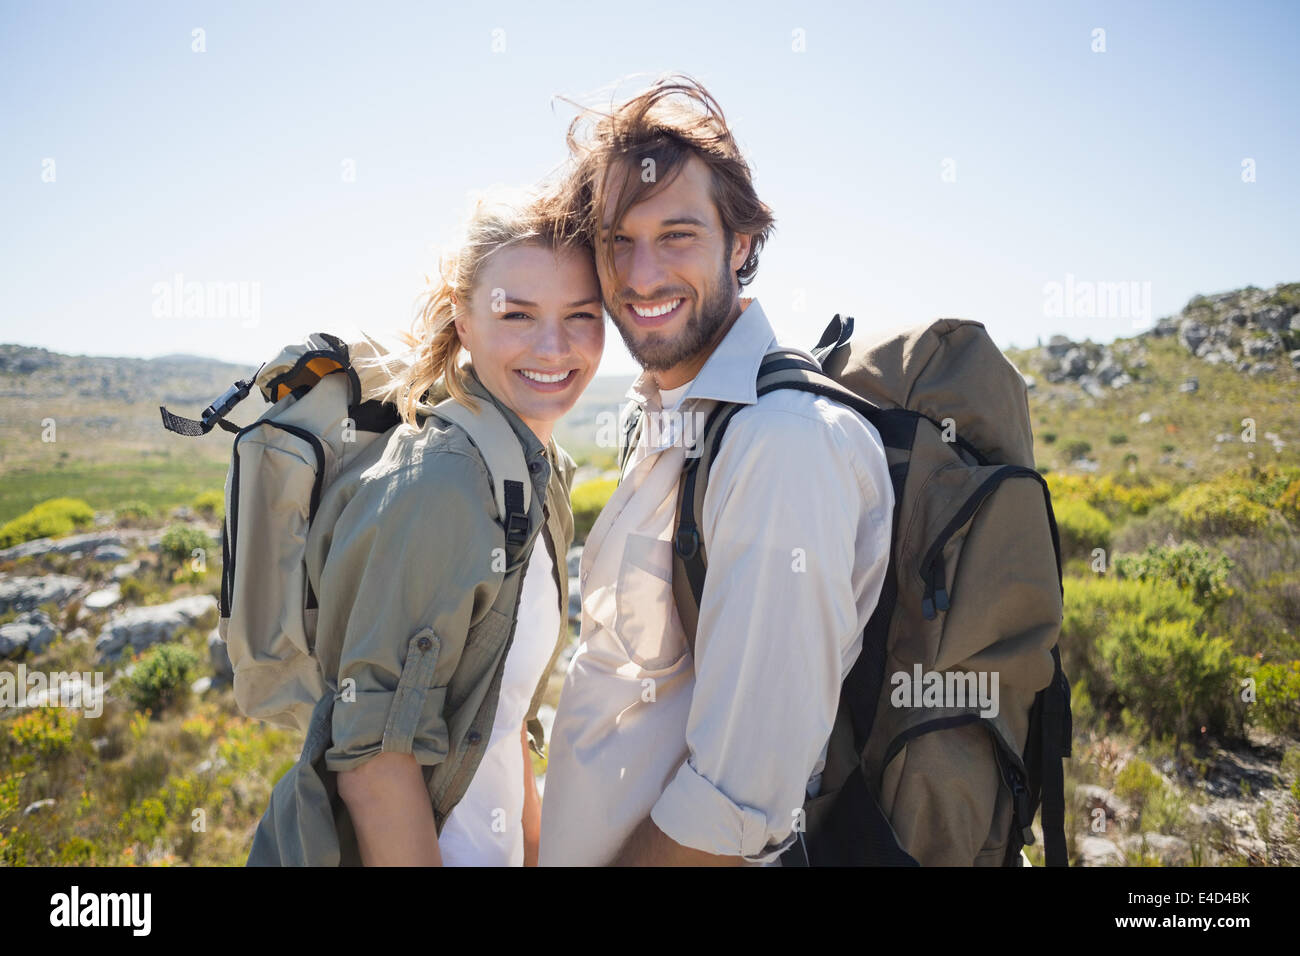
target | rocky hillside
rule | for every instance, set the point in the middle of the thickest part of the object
(1254, 331)
(1210, 388)
(108, 398)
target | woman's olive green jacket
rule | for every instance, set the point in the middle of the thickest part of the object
(417, 607)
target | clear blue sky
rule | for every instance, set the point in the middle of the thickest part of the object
(225, 166)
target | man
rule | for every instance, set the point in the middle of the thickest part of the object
(661, 756)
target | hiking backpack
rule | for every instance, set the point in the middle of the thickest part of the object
(329, 405)
(973, 585)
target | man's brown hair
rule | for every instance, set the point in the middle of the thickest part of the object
(674, 119)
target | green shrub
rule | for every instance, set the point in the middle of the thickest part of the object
(1162, 808)
(133, 512)
(45, 731)
(588, 500)
(1081, 708)
(1095, 605)
(1176, 680)
(1113, 495)
(1082, 528)
(1218, 508)
(210, 504)
(1268, 485)
(49, 519)
(1277, 697)
(1117, 438)
(1190, 566)
(162, 677)
(1076, 448)
(1048, 437)
(179, 543)
(1289, 501)
(1137, 783)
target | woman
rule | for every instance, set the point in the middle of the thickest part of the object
(438, 627)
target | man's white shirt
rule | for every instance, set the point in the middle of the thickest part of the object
(719, 747)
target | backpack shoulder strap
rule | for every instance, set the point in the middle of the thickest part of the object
(499, 446)
(781, 369)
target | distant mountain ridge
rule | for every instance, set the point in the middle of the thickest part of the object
(104, 401)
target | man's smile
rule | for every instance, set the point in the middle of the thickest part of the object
(651, 315)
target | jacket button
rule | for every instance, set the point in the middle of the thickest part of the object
(534, 466)
(424, 643)
(473, 736)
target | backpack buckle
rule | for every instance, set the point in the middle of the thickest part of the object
(1022, 813)
(686, 542)
(516, 528)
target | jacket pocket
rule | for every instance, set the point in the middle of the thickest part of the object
(647, 625)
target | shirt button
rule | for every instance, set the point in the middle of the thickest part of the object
(473, 736)
(424, 644)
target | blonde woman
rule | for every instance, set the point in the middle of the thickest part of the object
(437, 672)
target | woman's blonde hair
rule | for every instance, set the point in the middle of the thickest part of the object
(498, 221)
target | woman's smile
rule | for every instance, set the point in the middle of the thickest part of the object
(547, 381)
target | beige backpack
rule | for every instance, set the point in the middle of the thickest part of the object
(920, 769)
(328, 406)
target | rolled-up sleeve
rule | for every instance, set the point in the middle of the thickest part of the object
(779, 620)
(409, 567)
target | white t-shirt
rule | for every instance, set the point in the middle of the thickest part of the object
(670, 398)
(485, 828)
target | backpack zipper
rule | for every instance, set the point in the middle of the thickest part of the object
(927, 727)
(935, 597)
(1011, 767)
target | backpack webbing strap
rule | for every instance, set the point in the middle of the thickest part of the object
(1057, 731)
(499, 446)
(189, 428)
(1055, 724)
(214, 414)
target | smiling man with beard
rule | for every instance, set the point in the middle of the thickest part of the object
(661, 755)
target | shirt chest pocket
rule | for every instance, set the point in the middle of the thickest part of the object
(646, 622)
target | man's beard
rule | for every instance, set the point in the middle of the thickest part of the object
(655, 353)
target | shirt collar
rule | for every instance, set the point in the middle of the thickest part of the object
(730, 373)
